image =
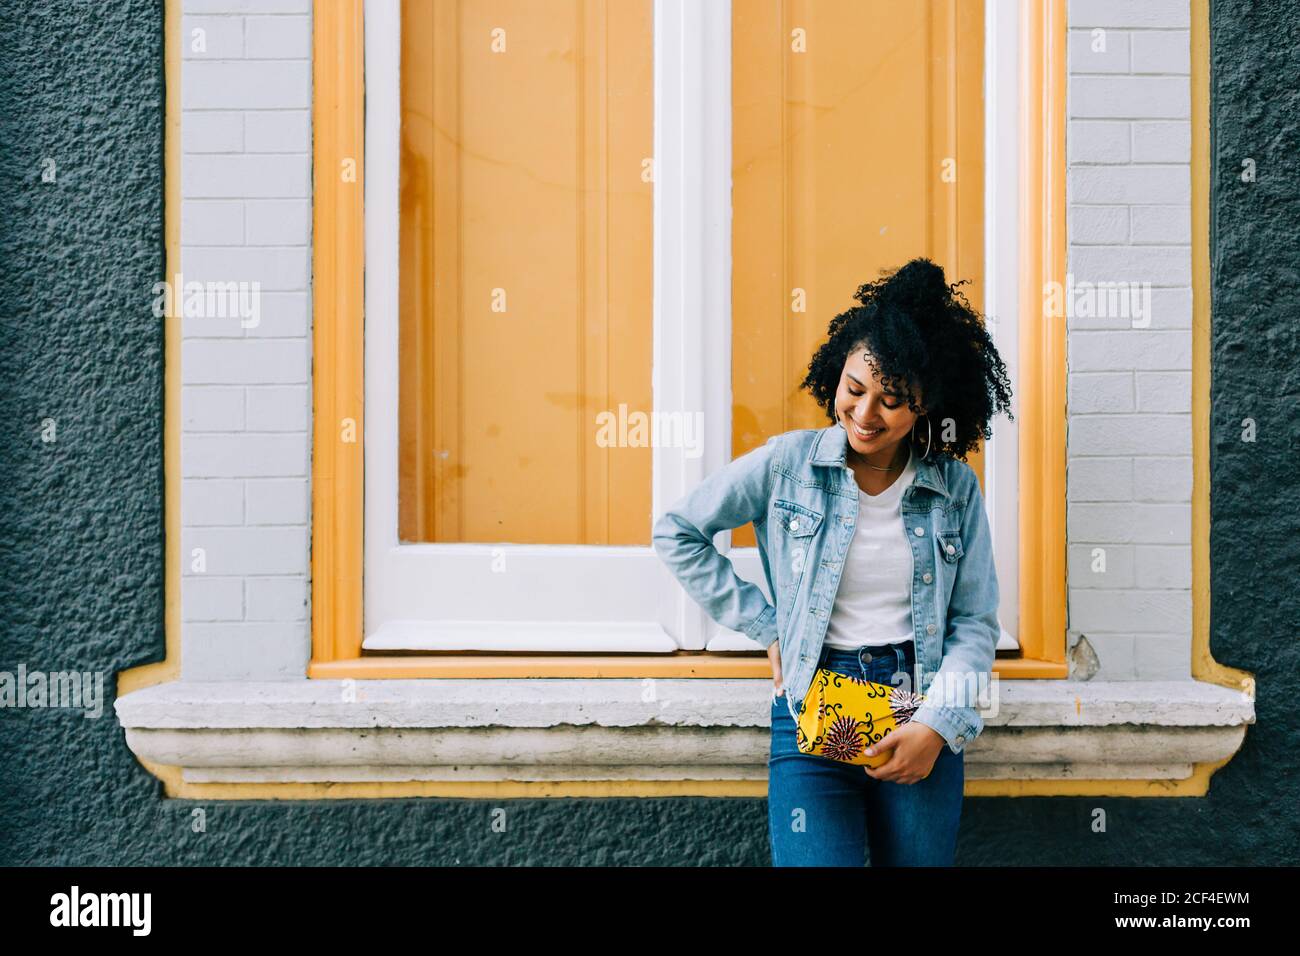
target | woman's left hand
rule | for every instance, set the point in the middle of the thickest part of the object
(915, 748)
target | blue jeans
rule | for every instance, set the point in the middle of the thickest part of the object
(822, 812)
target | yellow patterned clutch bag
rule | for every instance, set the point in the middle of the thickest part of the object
(843, 716)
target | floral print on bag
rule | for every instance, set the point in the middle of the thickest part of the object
(844, 715)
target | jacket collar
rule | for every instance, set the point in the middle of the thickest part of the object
(831, 447)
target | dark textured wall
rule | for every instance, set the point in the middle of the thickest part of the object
(81, 524)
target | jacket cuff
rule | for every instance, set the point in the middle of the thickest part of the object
(763, 629)
(953, 724)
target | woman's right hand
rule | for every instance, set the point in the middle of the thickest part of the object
(774, 655)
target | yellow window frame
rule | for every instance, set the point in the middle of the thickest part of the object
(338, 251)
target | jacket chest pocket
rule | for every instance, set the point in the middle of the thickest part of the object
(796, 525)
(795, 520)
(950, 548)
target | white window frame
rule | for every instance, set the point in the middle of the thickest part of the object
(1002, 295)
(527, 597)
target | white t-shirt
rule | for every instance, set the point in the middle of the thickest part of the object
(873, 604)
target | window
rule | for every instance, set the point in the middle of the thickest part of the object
(695, 227)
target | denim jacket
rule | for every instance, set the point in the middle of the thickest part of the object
(802, 497)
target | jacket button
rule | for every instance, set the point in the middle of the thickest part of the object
(929, 629)
(794, 526)
(959, 740)
(926, 577)
(951, 549)
(919, 532)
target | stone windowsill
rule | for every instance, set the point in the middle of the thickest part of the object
(549, 729)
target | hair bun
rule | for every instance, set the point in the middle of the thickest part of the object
(919, 278)
(911, 287)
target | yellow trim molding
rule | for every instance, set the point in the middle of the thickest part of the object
(1042, 376)
(169, 668)
(338, 327)
(1204, 666)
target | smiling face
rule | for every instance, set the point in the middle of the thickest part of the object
(876, 421)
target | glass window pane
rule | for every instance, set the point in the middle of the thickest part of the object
(526, 271)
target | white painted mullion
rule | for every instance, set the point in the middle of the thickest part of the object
(692, 252)
(382, 165)
(1001, 274)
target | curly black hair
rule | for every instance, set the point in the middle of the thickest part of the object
(920, 330)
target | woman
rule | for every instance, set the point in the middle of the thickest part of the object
(875, 543)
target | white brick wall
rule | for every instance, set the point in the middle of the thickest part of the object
(1130, 464)
(245, 395)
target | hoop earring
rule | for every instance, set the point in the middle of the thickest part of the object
(928, 437)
